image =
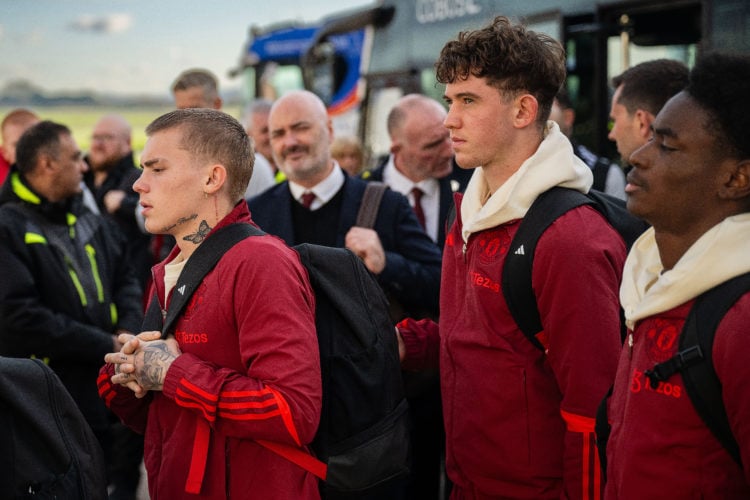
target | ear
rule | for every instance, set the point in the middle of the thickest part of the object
(643, 120)
(738, 184)
(217, 177)
(525, 108)
(44, 162)
(569, 116)
(395, 147)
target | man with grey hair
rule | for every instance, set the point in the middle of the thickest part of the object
(196, 88)
(236, 368)
(421, 161)
(255, 121)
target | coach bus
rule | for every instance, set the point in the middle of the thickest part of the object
(398, 41)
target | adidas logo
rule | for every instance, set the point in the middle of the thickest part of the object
(181, 290)
(519, 251)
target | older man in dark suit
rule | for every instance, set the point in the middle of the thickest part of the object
(421, 164)
(319, 204)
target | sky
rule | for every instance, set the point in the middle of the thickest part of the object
(136, 46)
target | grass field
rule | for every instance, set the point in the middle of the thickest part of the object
(81, 120)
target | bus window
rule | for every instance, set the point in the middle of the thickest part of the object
(381, 102)
(430, 86)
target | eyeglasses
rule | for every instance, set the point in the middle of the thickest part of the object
(103, 138)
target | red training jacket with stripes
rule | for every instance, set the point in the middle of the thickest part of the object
(519, 423)
(249, 370)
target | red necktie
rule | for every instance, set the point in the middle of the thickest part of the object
(307, 199)
(417, 193)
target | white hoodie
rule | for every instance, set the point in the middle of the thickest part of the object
(553, 164)
(722, 253)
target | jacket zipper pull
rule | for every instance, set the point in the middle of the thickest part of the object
(630, 344)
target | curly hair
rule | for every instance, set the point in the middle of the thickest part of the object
(718, 83)
(511, 58)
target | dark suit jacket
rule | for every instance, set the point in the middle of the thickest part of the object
(413, 261)
(446, 192)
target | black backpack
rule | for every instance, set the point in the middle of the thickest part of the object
(516, 278)
(48, 449)
(600, 171)
(362, 441)
(693, 361)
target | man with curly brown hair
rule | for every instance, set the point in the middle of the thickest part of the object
(519, 419)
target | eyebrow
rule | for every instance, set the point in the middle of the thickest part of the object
(149, 163)
(293, 126)
(460, 95)
(664, 132)
(436, 142)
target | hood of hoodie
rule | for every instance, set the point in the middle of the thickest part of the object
(719, 255)
(553, 164)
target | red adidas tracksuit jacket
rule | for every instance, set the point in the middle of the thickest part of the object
(249, 370)
(519, 423)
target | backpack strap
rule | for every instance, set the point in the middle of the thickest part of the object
(516, 277)
(370, 204)
(602, 429)
(297, 456)
(600, 171)
(694, 359)
(204, 259)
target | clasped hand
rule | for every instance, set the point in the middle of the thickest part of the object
(142, 363)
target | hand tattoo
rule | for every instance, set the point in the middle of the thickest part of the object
(198, 237)
(156, 361)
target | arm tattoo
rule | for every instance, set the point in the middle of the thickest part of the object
(156, 360)
(199, 236)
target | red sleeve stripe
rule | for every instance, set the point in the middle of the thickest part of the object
(249, 416)
(194, 388)
(109, 397)
(246, 394)
(578, 423)
(286, 416)
(208, 415)
(252, 404)
(591, 484)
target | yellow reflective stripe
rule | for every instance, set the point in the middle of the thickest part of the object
(30, 238)
(71, 225)
(113, 313)
(44, 360)
(22, 191)
(77, 284)
(95, 270)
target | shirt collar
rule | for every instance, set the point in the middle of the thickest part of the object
(402, 184)
(324, 191)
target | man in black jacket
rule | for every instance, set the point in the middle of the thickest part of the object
(67, 289)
